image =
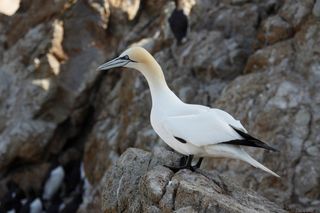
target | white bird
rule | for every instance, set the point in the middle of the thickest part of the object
(36, 206)
(192, 130)
(53, 183)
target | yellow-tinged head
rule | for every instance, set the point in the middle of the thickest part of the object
(140, 59)
(132, 58)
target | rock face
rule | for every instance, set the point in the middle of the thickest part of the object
(258, 60)
(138, 182)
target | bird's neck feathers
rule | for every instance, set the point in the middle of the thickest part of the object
(156, 80)
(152, 72)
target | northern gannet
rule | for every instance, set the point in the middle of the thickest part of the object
(192, 130)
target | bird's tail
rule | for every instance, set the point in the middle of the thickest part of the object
(236, 152)
(247, 158)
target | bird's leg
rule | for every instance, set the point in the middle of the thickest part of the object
(187, 165)
(189, 161)
(183, 160)
(199, 163)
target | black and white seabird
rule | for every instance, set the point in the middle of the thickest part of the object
(192, 130)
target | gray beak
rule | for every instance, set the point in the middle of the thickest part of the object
(117, 62)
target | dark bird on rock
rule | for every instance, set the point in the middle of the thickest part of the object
(178, 22)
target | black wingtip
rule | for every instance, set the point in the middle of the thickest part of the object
(252, 140)
(267, 147)
(274, 150)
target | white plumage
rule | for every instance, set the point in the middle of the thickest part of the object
(189, 129)
(36, 206)
(53, 183)
(201, 128)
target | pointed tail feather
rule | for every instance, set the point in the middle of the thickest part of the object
(247, 158)
(235, 152)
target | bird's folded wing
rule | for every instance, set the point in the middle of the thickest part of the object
(229, 119)
(205, 128)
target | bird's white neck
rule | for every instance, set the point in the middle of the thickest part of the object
(160, 92)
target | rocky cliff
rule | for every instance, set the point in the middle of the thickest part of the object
(258, 60)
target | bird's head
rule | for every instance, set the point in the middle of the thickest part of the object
(131, 58)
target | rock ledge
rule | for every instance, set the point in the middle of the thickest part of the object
(139, 183)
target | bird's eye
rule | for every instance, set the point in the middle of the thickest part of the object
(126, 57)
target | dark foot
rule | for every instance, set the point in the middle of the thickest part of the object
(183, 160)
(187, 165)
(176, 169)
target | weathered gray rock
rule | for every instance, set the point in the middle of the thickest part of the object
(207, 61)
(316, 9)
(296, 12)
(274, 29)
(259, 60)
(136, 184)
(274, 58)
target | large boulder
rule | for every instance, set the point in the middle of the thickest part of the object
(138, 182)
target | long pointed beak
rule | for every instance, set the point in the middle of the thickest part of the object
(117, 62)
